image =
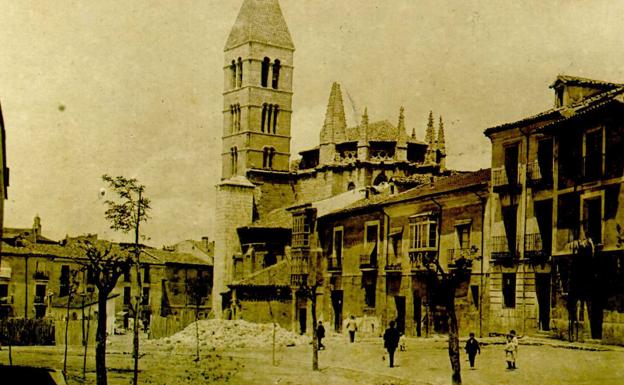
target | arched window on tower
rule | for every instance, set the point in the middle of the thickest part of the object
(237, 117)
(233, 74)
(270, 157)
(275, 111)
(267, 157)
(240, 72)
(276, 72)
(234, 160)
(381, 178)
(264, 78)
(264, 116)
(269, 119)
(232, 120)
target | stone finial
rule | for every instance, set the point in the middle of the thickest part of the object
(413, 132)
(429, 133)
(335, 125)
(441, 141)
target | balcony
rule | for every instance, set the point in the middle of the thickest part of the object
(503, 181)
(41, 275)
(538, 176)
(334, 264)
(456, 254)
(39, 300)
(5, 272)
(368, 262)
(420, 259)
(393, 268)
(534, 248)
(500, 249)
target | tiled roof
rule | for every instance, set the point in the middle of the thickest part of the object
(15, 232)
(556, 114)
(275, 275)
(575, 80)
(279, 218)
(149, 255)
(262, 21)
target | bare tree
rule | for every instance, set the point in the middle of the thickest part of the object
(125, 213)
(196, 291)
(107, 263)
(73, 285)
(447, 283)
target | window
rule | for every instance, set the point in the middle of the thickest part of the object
(423, 233)
(4, 293)
(371, 243)
(126, 295)
(233, 74)
(509, 290)
(275, 113)
(235, 117)
(474, 291)
(463, 236)
(351, 186)
(301, 231)
(593, 154)
(127, 277)
(145, 297)
(40, 293)
(234, 160)
(511, 163)
(592, 219)
(268, 154)
(369, 294)
(276, 71)
(265, 72)
(64, 281)
(338, 244)
(545, 159)
(264, 116)
(240, 72)
(146, 274)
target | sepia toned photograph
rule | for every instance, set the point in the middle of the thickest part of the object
(294, 192)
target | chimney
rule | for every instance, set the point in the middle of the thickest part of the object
(205, 242)
(36, 228)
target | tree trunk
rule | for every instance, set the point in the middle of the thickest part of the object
(66, 332)
(453, 347)
(314, 339)
(100, 347)
(197, 329)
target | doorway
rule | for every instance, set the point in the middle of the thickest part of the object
(336, 297)
(542, 289)
(302, 320)
(418, 314)
(400, 307)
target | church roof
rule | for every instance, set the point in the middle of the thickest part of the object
(576, 80)
(260, 21)
(380, 131)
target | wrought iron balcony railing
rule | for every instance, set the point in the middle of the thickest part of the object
(368, 262)
(334, 264)
(534, 247)
(500, 248)
(503, 179)
(537, 175)
(419, 260)
(41, 275)
(455, 254)
(393, 268)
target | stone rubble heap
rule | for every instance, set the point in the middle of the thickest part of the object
(222, 334)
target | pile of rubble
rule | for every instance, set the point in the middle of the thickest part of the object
(221, 334)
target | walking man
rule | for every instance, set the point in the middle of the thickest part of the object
(391, 341)
(320, 334)
(472, 348)
(352, 328)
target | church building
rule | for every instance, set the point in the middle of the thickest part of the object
(259, 179)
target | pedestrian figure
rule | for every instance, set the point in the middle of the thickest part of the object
(514, 341)
(472, 348)
(352, 328)
(320, 334)
(402, 343)
(391, 341)
(510, 352)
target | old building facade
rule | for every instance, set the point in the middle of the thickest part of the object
(258, 176)
(556, 217)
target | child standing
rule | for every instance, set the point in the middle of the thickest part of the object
(510, 352)
(472, 348)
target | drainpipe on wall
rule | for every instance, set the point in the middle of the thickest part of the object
(483, 203)
(526, 198)
(438, 241)
(26, 286)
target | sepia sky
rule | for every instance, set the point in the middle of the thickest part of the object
(134, 88)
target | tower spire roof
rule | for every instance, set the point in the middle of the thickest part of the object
(261, 21)
(441, 142)
(430, 134)
(335, 123)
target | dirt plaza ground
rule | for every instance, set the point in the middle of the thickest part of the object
(424, 362)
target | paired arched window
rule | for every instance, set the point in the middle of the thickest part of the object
(235, 117)
(267, 157)
(270, 72)
(351, 186)
(234, 160)
(269, 118)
